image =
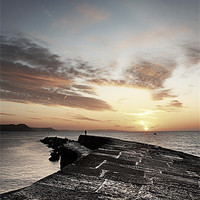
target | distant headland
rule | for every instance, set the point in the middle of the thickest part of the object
(22, 127)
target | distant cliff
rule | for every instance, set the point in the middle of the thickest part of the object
(21, 127)
(13, 127)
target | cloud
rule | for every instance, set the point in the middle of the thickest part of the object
(192, 53)
(57, 118)
(84, 89)
(33, 77)
(172, 106)
(100, 41)
(82, 69)
(85, 15)
(48, 13)
(153, 36)
(77, 117)
(148, 74)
(35, 118)
(49, 97)
(27, 51)
(7, 114)
(30, 73)
(92, 14)
(87, 118)
(176, 103)
(30, 111)
(87, 103)
(160, 94)
(145, 113)
(151, 73)
(144, 74)
(120, 100)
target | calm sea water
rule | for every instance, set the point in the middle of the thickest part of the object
(24, 159)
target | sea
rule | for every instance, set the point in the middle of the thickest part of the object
(24, 159)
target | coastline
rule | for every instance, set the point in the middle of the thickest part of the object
(119, 169)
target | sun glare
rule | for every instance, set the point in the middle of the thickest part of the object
(142, 122)
(145, 125)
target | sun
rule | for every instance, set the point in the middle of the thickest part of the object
(145, 125)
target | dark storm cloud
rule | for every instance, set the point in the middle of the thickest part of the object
(30, 73)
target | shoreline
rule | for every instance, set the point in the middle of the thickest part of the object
(118, 162)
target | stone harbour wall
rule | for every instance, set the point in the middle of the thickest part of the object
(109, 168)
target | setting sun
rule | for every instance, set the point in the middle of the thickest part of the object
(146, 128)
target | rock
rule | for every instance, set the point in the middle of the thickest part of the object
(56, 144)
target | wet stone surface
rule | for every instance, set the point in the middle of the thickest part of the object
(120, 170)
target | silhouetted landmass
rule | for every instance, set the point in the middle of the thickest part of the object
(13, 127)
(21, 127)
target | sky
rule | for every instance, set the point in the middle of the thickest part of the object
(131, 65)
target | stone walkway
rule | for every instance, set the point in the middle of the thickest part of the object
(120, 170)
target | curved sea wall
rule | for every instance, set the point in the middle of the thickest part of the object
(108, 168)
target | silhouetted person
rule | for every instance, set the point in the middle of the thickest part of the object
(85, 132)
